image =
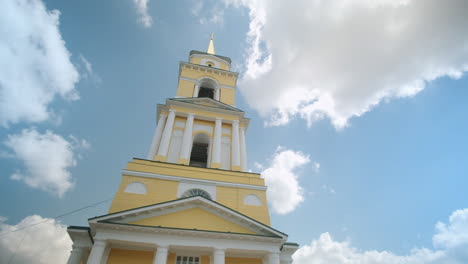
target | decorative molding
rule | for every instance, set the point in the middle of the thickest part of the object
(252, 199)
(136, 187)
(207, 69)
(192, 180)
(231, 215)
(196, 81)
(185, 186)
(212, 57)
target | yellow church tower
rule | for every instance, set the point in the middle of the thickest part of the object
(191, 201)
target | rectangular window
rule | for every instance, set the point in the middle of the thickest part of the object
(187, 260)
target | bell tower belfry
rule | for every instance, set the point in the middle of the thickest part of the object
(201, 126)
(191, 201)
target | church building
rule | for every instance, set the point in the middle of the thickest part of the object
(191, 201)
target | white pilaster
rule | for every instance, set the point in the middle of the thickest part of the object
(97, 252)
(156, 137)
(273, 258)
(187, 138)
(219, 256)
(243, 149)
(75, 256)
(216, 157)
(235, 144)
(160, 257)
(166, 136)
(195, 90)
(217, 92)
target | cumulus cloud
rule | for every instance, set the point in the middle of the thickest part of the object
(450, 244)
(284, 192)
(142, 9)
(44, 243)
(35, 65)
(47, 159)
(339, 59)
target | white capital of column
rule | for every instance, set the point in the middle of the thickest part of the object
(97, 252)
(187, 139)
(273, 258)
(156, 137)
(166, 136)
(235, 144)
(218, 256)
(217, 141)
(160, 257)
(243, 149)
(75, 255)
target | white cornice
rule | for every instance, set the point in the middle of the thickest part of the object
(211, 57)
(208, 69)
(197, 80)
(182, 232)
(192, 180)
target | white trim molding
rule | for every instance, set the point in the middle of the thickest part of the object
(192, 180)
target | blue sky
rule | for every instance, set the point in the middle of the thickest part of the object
(381, 133)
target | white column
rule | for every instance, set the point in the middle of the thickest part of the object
(243, 149)
(235, 144)
(166, 136)
(216, 157)
(160, 257)
(273, 258)
(75, 256)
(97, 252)
(217, 93)
(156, 137)
(195, 90)
(218, 256)
(187, 138)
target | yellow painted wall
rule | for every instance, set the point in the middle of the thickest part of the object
(228, 96)
(123, 256)
(222, 79)
(194, 218)
(204, 260)
(231, 260)
(234, 199)
(185, 88)
(158, 191)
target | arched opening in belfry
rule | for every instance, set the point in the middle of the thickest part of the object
(207, 88)
(200, 147)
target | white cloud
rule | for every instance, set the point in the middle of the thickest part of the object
(339, 59)
(450, 242)
(284, 192)
(86, 70)
(142, 9)
(47, 159)
(35, 65)
(208, 11)
(41, 244)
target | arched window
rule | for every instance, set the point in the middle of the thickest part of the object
(136, 187)
(199, 154)
(196, 192)
(207, 88)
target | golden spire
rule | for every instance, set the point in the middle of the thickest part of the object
(211, 49)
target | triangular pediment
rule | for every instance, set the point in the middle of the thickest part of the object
(193, 213)
(206, 102)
